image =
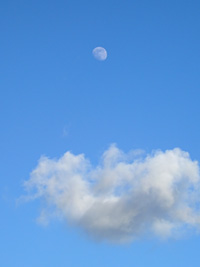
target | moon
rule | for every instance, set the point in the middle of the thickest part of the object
(99, 53)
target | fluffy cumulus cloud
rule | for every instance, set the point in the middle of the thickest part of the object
(124, 197)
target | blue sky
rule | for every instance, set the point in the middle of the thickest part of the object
(55, 97)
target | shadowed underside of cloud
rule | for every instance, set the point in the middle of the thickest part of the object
(124, 197)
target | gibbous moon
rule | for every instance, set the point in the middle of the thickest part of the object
(99, 53)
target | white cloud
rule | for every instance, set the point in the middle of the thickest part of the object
(123, 198)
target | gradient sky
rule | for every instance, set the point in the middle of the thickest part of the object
(56, 97)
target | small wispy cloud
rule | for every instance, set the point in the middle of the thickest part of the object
(124, 197)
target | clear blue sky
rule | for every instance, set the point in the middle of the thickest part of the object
(55, 97)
